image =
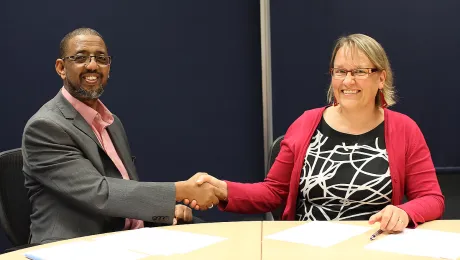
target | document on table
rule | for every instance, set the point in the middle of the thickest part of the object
(420, 242)
(319, 233)
(79, 250)
(158, 241)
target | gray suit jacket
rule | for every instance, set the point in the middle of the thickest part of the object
(74, 187)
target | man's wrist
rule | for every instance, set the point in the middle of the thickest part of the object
(181, 190)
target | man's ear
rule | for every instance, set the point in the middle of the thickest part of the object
(60, 69)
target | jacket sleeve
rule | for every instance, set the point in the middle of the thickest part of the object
(425, 200)
(53, 159)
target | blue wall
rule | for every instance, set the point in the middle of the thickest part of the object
(421, 38)
(186, 77)
(185, 80)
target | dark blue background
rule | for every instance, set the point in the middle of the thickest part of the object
(421, 38)
(186, 77)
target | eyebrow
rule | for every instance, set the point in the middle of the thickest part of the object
(359, 67)
(85, 52)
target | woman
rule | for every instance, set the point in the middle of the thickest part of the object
(353, 160)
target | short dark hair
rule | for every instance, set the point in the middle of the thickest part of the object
(70, 35)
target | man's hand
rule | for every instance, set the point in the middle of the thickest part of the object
(205, 195)
(205, 178)
(392, 219)
(183, 213)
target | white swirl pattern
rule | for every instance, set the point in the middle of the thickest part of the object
(323, 193)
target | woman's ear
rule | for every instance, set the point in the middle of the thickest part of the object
(383, 76)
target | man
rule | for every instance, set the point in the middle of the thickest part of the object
(78, 167)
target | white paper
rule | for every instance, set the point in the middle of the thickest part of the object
(420, 242)
(80, 250)
(157, 241)
(319, 233)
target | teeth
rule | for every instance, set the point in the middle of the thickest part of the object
(350, 91)
(91, 78)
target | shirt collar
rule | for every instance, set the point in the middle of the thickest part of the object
(87, 112)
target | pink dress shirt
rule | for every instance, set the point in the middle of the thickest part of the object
(99, 120)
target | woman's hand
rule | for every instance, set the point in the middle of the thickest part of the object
(392, 219)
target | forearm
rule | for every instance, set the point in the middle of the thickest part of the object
(252, 198)
(111, 197)
(148, 201)
(423, 209)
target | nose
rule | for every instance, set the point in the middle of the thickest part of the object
(92, 65)
(349, 79)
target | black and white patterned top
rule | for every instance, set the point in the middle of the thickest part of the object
(344, 177)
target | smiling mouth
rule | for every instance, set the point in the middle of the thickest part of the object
(350, 92)
(91, 79)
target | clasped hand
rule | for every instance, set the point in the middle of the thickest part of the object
(204, 191)
(182, 213)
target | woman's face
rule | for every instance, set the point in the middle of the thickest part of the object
(358, 91)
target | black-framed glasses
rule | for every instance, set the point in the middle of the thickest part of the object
(101, 60)
(360, 73)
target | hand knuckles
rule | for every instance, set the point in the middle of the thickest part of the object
(385, 218)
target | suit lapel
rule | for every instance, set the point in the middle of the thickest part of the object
(119, 142)
(81, 124)
(69, 112)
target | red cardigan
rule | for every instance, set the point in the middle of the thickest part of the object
(411, 169)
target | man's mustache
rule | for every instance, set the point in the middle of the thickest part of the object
(91, 72)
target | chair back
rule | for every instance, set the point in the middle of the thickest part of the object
(449, 178)
(15, 207)
(274, 151)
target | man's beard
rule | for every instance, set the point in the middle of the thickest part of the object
(81, 93)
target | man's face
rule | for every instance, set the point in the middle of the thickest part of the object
(84, 79)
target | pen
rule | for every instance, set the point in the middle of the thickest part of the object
(376, 234)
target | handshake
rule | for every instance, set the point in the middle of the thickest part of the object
(201, 191)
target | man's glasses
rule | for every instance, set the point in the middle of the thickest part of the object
(101, 60)
(360, 73)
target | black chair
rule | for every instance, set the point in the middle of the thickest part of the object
(14, 203)
(274, 150)
(449, 178)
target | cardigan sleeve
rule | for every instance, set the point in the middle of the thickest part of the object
(266, 196)
(425, 200)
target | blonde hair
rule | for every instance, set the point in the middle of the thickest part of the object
(376, 54)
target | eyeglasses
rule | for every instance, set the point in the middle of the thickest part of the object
(101, 60)
(360, 73)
